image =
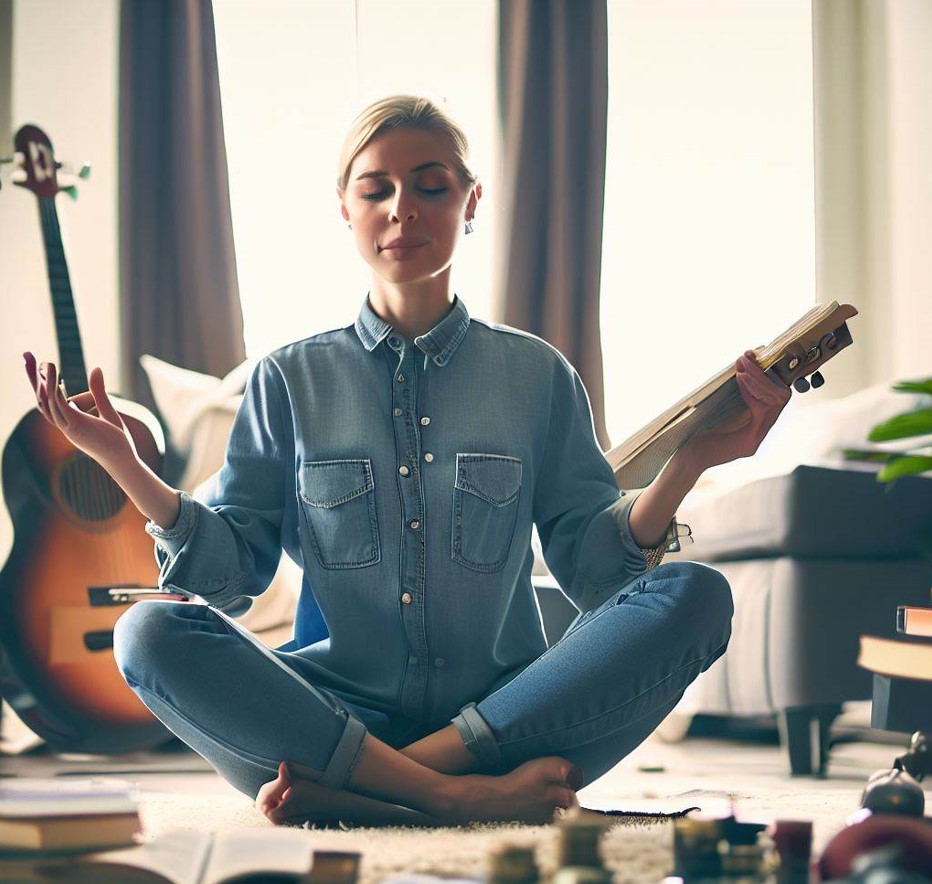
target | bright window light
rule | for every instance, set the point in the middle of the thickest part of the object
(709, 239)
(293, 75)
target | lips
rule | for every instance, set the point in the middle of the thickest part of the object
(403, 242)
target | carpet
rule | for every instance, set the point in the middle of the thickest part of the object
(636, 849)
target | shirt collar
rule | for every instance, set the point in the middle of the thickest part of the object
(439, 343)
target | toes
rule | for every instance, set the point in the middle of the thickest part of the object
(574, 778)
(274, 792)
(559, 796)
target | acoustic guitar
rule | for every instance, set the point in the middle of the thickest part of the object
(80, 553)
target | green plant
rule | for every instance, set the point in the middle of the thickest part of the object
(910, 424)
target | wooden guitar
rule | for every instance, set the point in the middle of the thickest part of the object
(80, 553)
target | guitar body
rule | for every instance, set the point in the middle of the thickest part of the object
(76, 538)
(73, 529)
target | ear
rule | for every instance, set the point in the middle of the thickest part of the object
(343, 210)
(474, 197)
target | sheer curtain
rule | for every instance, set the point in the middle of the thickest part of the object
(709, 237)
(293, 74)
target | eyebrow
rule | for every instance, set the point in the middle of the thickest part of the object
(381, 173)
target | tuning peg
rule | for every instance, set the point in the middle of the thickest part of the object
(71, 191)
(817, 380)
(801, 385)
(68, 169)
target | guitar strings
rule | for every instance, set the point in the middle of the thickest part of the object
(86, 487)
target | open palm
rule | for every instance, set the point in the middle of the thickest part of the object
(88, 420)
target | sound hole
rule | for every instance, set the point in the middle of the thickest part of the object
(88, 490)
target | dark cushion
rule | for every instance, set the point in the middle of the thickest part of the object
(812, 512)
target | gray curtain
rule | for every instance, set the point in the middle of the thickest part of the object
(178, 287)
(553, 94)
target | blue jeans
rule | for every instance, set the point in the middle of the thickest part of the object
(592, 697)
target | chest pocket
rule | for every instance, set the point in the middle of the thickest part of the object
(485, 507)
(339, 505)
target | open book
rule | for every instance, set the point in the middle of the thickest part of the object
(799, 351)
(192, 857)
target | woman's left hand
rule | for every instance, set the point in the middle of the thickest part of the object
(764, 400)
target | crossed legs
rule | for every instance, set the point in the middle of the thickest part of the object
(565, 720)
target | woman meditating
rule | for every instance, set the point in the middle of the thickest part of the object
(402, 462)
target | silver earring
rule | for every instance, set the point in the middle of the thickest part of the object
(468, 227)
(349, 226)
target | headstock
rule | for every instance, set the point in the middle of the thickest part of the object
(36, 168)
(803, 349)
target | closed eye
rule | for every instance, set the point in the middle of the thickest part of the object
(377, 195)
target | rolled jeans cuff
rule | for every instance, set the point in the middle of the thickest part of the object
(478, 736)
(345, 755)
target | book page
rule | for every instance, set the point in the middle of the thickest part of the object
(259, 854)
(177, 857)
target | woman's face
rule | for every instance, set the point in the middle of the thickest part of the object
(407, 205)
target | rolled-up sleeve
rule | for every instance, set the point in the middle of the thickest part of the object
(226, 545)
(580, 513)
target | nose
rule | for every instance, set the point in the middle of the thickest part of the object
(403, 208)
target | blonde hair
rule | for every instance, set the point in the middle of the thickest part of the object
(398, 111)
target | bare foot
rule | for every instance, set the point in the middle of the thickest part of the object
(530, 793)
(293, 798)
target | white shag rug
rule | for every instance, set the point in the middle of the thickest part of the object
(633, 851)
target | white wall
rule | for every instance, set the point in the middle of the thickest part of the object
(64, 79)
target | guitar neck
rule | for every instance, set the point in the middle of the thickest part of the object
(71, 354)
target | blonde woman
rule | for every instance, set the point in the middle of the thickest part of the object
(402, 462)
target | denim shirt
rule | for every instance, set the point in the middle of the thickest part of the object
(405, 479)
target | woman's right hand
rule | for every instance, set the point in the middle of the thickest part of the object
(88, 420)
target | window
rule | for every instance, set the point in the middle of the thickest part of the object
(293, 74)
(709, 238)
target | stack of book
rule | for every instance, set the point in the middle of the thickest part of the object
(53, 816)
(902, 667)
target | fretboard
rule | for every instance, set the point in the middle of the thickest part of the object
(71, 355)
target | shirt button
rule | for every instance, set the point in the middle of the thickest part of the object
(400, 379)
(415, 524)
(440, 662)
(397, 412)
(428, 457)
(425, 421)
(394, 342)
(403, 470)
(406, 598)
(412, 660)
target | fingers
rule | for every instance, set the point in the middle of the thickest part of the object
(37, 380)
(56, 398)
(104, 406)
(32, 370)
(749, 365)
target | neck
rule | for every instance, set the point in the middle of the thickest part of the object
(412, 309)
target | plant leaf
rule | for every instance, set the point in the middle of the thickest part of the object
(871, 455)
(908, 465)
(911, 423)
(914, 386)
